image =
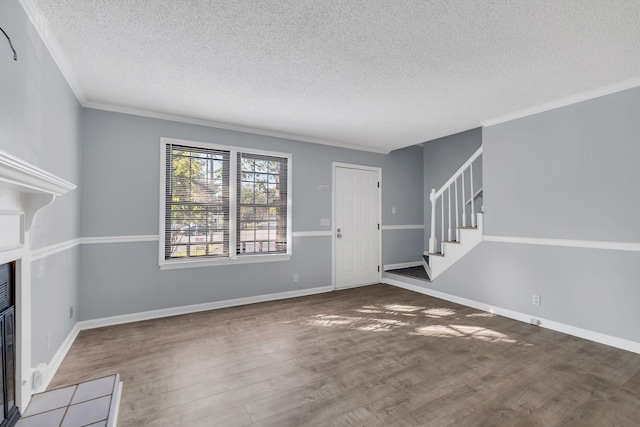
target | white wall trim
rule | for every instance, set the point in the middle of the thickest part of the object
(226, 126)
(43, 30)
(523, 317)
(41, 26)
(327, 233)
(54, 249)
(589, 244)
(175, 311)
(388, 267)
(403, 227)
(49, 370)
(212, 262)
(119, 239)
(574, 99)
(70, 244)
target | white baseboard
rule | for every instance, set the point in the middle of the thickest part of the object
(49, 370)
(544, 323)
(176, 311)
(388, 267)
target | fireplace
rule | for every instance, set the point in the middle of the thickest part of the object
(9, 411)
(24, 190)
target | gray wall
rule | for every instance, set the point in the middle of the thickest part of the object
(40, 123)
(568, 173)
(120, 197)
(442, 158)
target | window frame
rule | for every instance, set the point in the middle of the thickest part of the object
(233, 258)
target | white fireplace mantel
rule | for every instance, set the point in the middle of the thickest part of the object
(36, 187)
(24, 190)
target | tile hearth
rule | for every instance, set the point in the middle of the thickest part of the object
(92, 403)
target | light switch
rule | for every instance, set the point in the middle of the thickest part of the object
(325, 221)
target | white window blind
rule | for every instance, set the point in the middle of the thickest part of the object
(196, 202)
(223, 203)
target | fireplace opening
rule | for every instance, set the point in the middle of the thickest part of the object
(8, 412)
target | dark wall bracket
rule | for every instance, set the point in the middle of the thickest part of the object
(15, 55)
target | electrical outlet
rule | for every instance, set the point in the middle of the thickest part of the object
(393, 210)
(71, 312)
(536, 300)
(37, 378)
(295, 277)
(46, 341)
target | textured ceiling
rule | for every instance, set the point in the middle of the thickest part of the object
(375, 74)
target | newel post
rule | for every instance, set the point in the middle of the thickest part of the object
(432, 239)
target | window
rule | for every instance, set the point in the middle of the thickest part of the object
(262, 204)
(222, 205)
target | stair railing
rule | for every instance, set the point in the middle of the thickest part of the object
(450, 214)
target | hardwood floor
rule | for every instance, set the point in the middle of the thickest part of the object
(371, 356)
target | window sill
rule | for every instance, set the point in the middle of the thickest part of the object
(245, 259)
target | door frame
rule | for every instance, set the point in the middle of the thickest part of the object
(376, 169)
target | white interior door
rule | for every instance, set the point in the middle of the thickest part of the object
(356, 226)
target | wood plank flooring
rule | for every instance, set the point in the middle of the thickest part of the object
(371, 356)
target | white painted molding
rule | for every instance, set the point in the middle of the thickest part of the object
(37, 188)
(226, 126)
(176, 264)
(176, 311)
(388, 267)
(403, 227)
(70, 244)
(588, 244)
(43, 30)
(52, 367)
(54, 249)
(119, 239)
(523, 317)
(574, 99)
(327, 233)
(28, 178)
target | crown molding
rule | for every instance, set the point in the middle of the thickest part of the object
(51, 43)
(227, 126)
(563, 102)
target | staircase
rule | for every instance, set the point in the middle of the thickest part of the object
(456, 217)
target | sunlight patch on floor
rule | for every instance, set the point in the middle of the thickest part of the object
(484, 314)
(373, 320)
(327, 320)
(463, 331)
(370, 324)
(390, 309)
(382, 325)
(401, 307)
(439, 312)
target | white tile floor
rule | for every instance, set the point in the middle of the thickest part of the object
(89, 404)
